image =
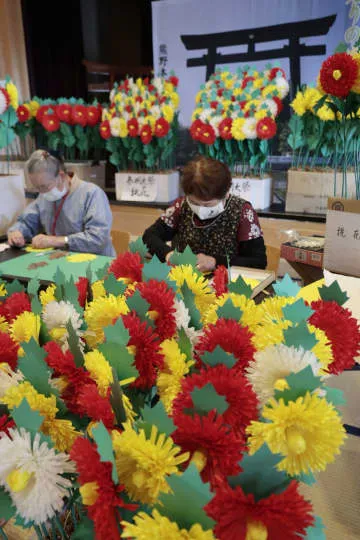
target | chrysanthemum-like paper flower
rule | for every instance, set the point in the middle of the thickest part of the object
(307, 432)
(143, 464)
(48, 295)
(204, 296)
(101, 313)
(56, 315)
(147, 526)
(99, 369)
(251, 316)
(24, 327)
(8, 378)
(272, 365)
(31, 473)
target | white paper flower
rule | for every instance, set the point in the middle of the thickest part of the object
(182, 319)
(249, 128)
(283, 86)
(214, 122)
(271, 105)
(56, 316)
(31, 473)
(205, 115)
(271, 365)
(8, 378)
(115, 126)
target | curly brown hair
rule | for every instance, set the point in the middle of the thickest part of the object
(206, 178)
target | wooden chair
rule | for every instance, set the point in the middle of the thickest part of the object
(120, 240)
(111, 73)
(273, 258)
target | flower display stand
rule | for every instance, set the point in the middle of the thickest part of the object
(308, 191)
(88, 172)
(147, 187)
(258, 191)
(12, 201)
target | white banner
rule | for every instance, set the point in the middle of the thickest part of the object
(191, 37)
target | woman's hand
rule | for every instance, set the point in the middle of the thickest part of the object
(205, 263)
(167, 257)
(15, 238)
(42, 241)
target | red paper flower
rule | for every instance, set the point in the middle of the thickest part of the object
(220, 92)
(105, 129)
(79, 115)
(274, 72)
(146, 134)
(6, 423)
(195, 129)
(133, 127)
(240, 397)
(207, 134)
(104, 512)
(266, 128)
(225, 128)
(6, 99)
(64, 112)
(161, 299)
(279, 104)
(214, 104)
(284, 516)
(220, 446)
(93, 405)
(338, 74)
(8, 350)
(127, 265)
(129, 108)
(162, 127)
(92, 115)
(148, 359)
(23, 114)
(230, 336)
(42, 110)
(341, 329)
(82, 287)
(50, 122)
(174, 80)
(16, 304)
(220, 280)
(246, 81)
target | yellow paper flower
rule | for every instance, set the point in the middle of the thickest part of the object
(24, 327)
(99, 370)
(299, 103)
(31, 249)
(48, 295)
(156, 526)
(98, 289)
(34, 106)
(46, 406)
(175, 99)
(308, 432)
(311, 96)
(204, 296)
(61, 432)
(356, 86)
(251, 316)
(101, 313)
(237, 129)
(2, 290)
(151, 121)
(325, 113)
(260, 114)
(144, 464)
(175, 368)
(270, 309)
(270, 91)
(252, 104)
(322, 349)
(13, 94)
(81, 257)
(4, 325)
(168, 112)
(196, 113)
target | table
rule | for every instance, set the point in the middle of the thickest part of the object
(307, 272)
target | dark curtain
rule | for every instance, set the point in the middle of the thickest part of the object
(54, 48)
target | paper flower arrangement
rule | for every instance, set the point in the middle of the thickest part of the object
(126, 413)
(141, 123)
(8, 107)
(235, 116)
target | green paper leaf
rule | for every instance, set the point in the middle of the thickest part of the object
(185, 488)
(341, 48)
(105, 448)
(33, 287)
(138, 304)
(155, 270)
(7, 510)
(333, 292)
(299, 383)
(113, 286)
(120, 359)
(334, 396)
(102, 272)
(20, 522)
(186, 257)
(317, 531)
(117, 333)
(34, 367)
(157, 416)
(14, 287)
(185, 344)
(36, 306)
(116, 399)
(297, 312)
(138, 246)
(259, 475)
(286, 287)
(74, 345)
(218, 356)
(25, 417)
(71, 294)
(240, 287)
(84, 530)
(189, 301)
(300, 336)
(206, 399)
(308, 479)
(229, 311)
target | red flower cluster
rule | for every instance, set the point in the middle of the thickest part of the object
(14, 305)
(50, 116)
(220, 280)
(266, 128)
(146, 134)
(6, 423)
(225, 128)
(127, 265)
(22, 113)
(274, 72)
(162, 127)
(202, 132)
(338, 74)
(82, 287)
(105, 132)
(161, 300)
(8, 350)
(133, 127)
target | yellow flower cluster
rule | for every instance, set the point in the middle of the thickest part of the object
(306, 100)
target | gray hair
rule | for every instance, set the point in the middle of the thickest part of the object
(43, 161)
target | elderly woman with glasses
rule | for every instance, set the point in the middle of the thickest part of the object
(68, 213)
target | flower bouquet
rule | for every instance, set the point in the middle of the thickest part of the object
(234, 121)
(140, 127)
(325, 135)
(12, 185)
(143, 402)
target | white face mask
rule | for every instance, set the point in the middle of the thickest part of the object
(207, 212)
(55, 194)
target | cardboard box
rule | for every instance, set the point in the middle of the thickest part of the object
(258, 191)
(293, 253)
(342, 237)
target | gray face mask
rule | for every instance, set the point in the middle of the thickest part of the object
(55, 194)
(207, 212)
